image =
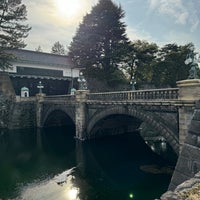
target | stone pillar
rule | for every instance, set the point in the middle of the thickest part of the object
(189, 92)
(189, 89)
(80, 114)
(39, 101)
(185, 117)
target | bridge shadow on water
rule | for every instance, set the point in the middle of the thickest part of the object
(114, 167)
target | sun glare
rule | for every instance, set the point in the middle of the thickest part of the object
(68, 8)
(73, 193)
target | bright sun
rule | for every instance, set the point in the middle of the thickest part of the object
(68, 8)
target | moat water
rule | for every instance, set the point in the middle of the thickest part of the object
(51, 164)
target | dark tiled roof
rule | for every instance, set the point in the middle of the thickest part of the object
(35, 57)
(40, 77)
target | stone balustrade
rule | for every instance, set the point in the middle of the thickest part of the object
(136, 95)
(154, 94)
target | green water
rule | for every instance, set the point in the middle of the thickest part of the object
(105, 169)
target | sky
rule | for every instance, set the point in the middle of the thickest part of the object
(158, 21)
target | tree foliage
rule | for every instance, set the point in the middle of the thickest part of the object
(157, 67)
(58, 49)
(13, 30)
(139, 61)
(170, 65)
(101, 47)
(145, 55)
(100, 42)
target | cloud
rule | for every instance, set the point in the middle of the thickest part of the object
(154, 4)
(46, 36)
(173, 36)
(183, 12)
(195, 24)
(181, 38)
(173, 8)
(48, 26)
(135, 34)
(194, 19)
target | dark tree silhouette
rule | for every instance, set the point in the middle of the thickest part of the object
(13, 30)
(101, 42)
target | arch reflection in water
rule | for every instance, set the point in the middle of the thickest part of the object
(111, 167)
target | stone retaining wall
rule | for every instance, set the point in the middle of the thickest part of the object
(22, 115)
(188, 164)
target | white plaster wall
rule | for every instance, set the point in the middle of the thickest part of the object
(67, 72)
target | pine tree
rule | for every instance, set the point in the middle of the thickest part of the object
(39, 49)
(100, 42)
(58, 49)
(13, 30)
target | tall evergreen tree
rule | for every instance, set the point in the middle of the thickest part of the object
(13, 30)
(100, 42)
(58, 49)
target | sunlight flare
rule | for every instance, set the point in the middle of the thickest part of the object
(73, 193)
(68, 8)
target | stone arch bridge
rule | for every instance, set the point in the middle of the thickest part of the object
(174, 112)
(168, 111)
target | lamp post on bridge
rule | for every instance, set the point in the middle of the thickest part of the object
(72, 89)
(82, 82)
(40, 87)
(40, 98)
(132, 83)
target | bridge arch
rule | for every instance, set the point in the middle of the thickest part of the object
(141, 115)
(59, 111)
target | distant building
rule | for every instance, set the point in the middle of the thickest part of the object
(56, 72)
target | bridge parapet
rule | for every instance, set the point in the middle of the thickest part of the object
(60, 98)
(136, 95)
(25, 99)
(54, 98)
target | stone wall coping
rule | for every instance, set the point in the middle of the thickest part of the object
(188, 82)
